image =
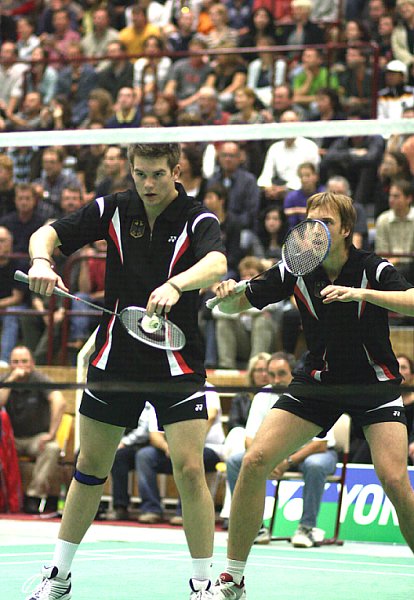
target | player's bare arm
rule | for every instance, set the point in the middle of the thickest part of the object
(397, 301)
(210, 269)
(42, 278)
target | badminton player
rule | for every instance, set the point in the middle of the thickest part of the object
(163, 246)
(343, 306)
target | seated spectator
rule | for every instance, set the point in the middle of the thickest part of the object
(303, 31)
(25, 220)
(394, 228)
(208, 108)
(294, 204)
(150, 72)
(11, 489)
(27, 41)
(12, 295)
(355, 81)
(311, 78)
(328, 107)
(191, 173)
(100, 108)
(357, 158)
(376, 10)
(220, 34)
(280, 170)
(7, 191)
(95, 42)
(402, 48)
(90, 165)
(179, 39)
(241, 185)
(230, 75)
(272, 231)
(29, 118)
(188, 76)
(91, 288)
(339, 185)
(76, 81)
(40, 76)
(127, 113)
(239, 14)
(282, 100)
(124, 461)
(57, 43)
(45, 20)
(394, 165)
(11, 77)
(261, 27)
(241, 336)
(316, 460)
(115, 166)
(165, 107)
(265, 72)
(154, 459)
(71, 200)
(254, 150)
(354, 33)
(134, 35)
(119, 72)
(53, 180)
(58, 115)
(35, 415)
(383, 38)
(396, 95)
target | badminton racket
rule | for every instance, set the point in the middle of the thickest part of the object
(305, 247)
(155, 331)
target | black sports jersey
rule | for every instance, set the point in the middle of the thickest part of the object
(138, 261)
(348, 342)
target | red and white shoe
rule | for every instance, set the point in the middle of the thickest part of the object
(227, 589)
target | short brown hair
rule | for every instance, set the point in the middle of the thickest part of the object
(342, 204)
(169, 151)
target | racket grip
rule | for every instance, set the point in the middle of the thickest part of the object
(238, 288)
(23, 278)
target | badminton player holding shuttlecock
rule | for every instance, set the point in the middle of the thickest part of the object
(163, 246)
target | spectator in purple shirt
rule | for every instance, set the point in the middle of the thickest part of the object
(294, 204)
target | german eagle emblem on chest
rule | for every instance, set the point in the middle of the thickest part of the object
(137, 228)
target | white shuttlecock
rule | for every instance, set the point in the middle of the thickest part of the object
(150, 324)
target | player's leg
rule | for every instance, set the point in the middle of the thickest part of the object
(98, 443)
(280, 434)
(389, 449)
(186, 443)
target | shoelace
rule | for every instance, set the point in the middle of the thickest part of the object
(29, 583)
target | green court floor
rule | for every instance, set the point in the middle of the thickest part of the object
(128, 563)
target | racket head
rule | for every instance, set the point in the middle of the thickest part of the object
(306, 246)
(167, 337)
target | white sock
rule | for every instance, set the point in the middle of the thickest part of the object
(63, 557)
(235, 568)
(202, 568)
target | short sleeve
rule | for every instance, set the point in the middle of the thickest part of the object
(205, 235)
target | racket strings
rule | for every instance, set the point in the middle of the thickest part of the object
(306, 247)
(167, 336)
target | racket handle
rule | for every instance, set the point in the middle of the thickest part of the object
(238, 288)
(23, 278)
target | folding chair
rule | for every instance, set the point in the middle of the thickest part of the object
(342, 433)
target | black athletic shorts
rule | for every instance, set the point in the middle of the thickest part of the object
(364, 410)
(180, 398)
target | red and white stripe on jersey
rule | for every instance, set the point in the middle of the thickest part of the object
(381, 371)
(178, 366)
(101, 359)
(302, 292)
(115, 234)
(364, 285)
(181, 245)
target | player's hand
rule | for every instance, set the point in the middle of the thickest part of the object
(43, 279)
(162, 299)
(339, 293)
(225, 289)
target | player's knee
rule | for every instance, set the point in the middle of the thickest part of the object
(394, 484)
(189, 472)
(93, 466)
(254, 464)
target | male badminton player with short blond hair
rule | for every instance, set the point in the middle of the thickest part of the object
(343, 305)
(163, 246)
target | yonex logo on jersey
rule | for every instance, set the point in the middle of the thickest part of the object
(172, 238)
(396, 413)
(198, 407)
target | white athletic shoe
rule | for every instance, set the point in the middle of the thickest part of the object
(200, 594)
(303, 538)
(51, 587)
(227, 589)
